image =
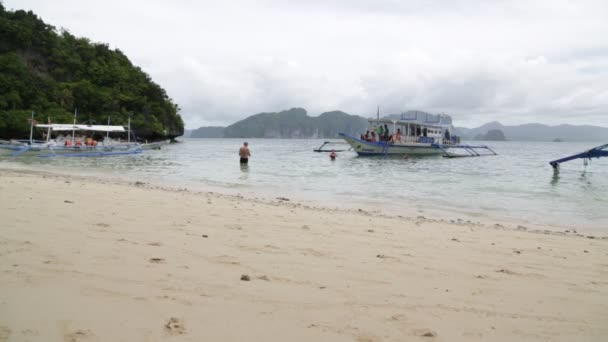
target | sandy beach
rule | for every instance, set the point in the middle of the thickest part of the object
(100, 260)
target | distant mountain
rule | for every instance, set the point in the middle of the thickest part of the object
(295, 123)
(208, 132)
(492, 135)
(292, 123)
(538, 132)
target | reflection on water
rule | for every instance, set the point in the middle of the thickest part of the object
(512, 184)
(244, 171)
(555, 178)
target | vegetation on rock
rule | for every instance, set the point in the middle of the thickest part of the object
(53, 73)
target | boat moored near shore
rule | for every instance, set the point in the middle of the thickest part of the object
(74, 140)
(412, 133)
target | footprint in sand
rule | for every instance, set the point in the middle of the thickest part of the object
(79, 335)
(157, 260)
(225, 259)
(425, 333)
(5, 333)
(506, 271)
(175, 327)
(311, 251)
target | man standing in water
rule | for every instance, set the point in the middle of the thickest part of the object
(244, 153)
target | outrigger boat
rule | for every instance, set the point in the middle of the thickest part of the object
(157, 145)
(72, 146)
(414, 133)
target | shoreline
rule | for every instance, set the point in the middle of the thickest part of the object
(94, 259)
(479, 219)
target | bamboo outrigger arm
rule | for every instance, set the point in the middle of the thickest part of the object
(597, 152)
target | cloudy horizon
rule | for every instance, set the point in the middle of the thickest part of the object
(509, 61)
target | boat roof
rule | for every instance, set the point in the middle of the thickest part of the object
(406, 122)
(70, 127)
(415, 117)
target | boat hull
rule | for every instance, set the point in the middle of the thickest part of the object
(366, 148)
(45, 150)
(155, 145)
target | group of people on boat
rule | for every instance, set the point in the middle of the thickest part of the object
(381, 134)
(78, 142)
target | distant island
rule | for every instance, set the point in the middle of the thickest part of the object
(538, 132)
(296, 123)
(292, 123)
(492, 135)
(53, 73)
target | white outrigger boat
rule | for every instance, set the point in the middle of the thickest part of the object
(414, 133)
(71, 145)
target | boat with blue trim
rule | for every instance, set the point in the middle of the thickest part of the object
(412, 133)
(73, 140)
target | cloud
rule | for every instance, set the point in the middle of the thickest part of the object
(515, 61)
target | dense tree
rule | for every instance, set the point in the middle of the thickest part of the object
(53, 73)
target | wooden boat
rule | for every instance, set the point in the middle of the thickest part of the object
(414, 133)
(70, 145)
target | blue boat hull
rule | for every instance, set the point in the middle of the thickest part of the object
(366, 148)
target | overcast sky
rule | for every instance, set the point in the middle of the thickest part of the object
(479, 61)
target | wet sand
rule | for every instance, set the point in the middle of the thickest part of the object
(100, 260)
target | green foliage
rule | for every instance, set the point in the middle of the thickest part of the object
(52, 73)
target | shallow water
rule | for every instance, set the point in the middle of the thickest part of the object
(517, 184)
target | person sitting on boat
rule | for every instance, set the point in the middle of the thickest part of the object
(68, 142)
(373, 137)
(446, 138)
(366, 136)
(333, 155)
(94, 143)
(397, 136)
(380, 132)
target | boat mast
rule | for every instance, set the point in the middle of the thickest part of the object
(32, 128)
(48, 133)
(108, 132)
(129, 130)
(74, 128)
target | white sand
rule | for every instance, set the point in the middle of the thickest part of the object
(84, 271)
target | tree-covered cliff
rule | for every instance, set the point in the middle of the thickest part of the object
(295, 123)
(53, 73)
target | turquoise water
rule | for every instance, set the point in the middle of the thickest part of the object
(517, 184)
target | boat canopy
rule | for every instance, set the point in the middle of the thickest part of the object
(96, 128)
(384, 121)
(417, 118)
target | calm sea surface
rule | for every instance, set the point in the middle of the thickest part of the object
(517, 184)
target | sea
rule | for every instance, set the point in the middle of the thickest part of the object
(517, 185)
